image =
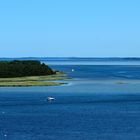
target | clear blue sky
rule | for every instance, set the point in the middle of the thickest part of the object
(80, 28)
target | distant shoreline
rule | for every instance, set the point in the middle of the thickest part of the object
(72, 58)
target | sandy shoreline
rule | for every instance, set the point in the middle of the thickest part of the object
(49, 80)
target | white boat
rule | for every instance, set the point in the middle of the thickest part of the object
(50, 99)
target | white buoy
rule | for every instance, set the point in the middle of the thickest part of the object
(72, 70)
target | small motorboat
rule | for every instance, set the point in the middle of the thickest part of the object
(50, 99)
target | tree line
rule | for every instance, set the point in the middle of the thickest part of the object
(23, 68)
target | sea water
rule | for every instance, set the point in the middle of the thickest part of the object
(99, 102)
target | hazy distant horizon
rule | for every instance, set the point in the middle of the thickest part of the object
(71, 57)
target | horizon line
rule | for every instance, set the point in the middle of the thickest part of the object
(107, 57)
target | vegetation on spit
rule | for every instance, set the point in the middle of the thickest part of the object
(23, 68)
(28, 73)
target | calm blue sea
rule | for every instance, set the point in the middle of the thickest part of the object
(100, 102)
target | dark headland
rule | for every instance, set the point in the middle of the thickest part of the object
(27, 73)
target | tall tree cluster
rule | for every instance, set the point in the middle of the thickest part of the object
(23, 68)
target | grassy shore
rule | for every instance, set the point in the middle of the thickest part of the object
(48, 80)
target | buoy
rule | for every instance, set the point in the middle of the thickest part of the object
(72, 70)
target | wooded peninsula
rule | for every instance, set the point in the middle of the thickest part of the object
(28, 73)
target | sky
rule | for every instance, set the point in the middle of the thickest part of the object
(69, 28)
